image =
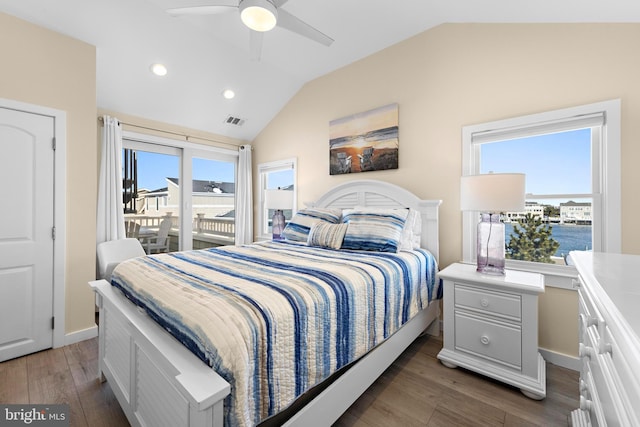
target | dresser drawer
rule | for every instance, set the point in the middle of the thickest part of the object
(498, 342)
(609, 404)
(488, 301)
(622, 377)
(589, 314)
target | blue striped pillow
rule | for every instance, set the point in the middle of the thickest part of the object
(327, 235)
(297, 229)
(374, 229)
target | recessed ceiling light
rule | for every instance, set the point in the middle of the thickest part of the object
(228, 93)
(159, 70)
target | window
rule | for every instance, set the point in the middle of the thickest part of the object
(274, 175)
(571, 159)
(202, 214)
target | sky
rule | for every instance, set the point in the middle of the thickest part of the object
(552, 164)
(153, 168)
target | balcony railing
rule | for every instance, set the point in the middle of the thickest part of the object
(207, 232)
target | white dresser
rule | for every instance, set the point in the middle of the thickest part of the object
(609, 325)
(491, 326)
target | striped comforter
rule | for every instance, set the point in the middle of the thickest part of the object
(277, 318)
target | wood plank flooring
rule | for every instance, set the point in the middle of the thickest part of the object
(415, 391)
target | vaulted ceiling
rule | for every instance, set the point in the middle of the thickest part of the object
(207, 54)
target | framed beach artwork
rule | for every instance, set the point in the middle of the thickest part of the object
(364, 142)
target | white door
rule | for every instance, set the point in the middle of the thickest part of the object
(26, 227)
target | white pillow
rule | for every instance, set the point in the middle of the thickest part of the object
(411, 232)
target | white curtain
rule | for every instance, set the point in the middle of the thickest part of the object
(110, 219)
(244, 198)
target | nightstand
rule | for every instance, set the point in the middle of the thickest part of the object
(491, 326)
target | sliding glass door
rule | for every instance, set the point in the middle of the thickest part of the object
(178, 191)
(152, 196)
(213, 202)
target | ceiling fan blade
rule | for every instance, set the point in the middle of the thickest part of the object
(255, 45)
(291, 23)
(203, 10)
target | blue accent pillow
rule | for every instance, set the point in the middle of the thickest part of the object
(374, 229)
(297, 230)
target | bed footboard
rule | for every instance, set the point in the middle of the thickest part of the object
(156, 380)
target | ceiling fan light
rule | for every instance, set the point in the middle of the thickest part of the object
(159, 70)
(259, 15)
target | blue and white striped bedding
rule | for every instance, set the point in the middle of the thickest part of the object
(276, 318)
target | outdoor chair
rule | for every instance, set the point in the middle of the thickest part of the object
(160, 242)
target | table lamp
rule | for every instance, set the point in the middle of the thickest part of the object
(278, 200)
(491, 194)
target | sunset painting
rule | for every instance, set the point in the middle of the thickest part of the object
(364, 142)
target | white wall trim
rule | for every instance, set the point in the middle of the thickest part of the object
(59, 209)
(82, 335)
(560, 359)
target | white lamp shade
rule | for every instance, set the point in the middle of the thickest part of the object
(279, 199)
(494, 192)
(259, 15)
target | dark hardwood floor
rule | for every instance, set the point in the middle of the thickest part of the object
(415, 391)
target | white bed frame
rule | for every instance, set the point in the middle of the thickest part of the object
(158, 382)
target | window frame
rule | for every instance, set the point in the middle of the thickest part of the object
(185, 151)
(263, 170)
(606, 181)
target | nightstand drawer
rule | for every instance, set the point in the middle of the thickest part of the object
(488, 301)
(498, 342)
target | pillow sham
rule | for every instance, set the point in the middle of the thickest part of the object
(411, 232)
(327, 235)
(297, 230)
(374, 229)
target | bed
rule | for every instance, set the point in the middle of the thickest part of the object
(159, 381)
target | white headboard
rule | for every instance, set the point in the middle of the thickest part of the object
(374, 193)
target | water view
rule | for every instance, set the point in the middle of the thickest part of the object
(571, 237)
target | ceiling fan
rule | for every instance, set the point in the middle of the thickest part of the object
(260, 16)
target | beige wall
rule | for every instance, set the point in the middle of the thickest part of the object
(461, 74)
(49, 69)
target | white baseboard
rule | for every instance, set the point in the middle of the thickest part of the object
(559, 359)
(81, 335)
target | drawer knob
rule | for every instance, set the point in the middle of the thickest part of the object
(588, 320)
(585, 351)
(583, 386)
(484, 340)
(585, 404)
(484, 302)
(605, 347)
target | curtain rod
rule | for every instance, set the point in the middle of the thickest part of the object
(184, 135)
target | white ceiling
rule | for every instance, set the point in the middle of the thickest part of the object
(207, 54)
